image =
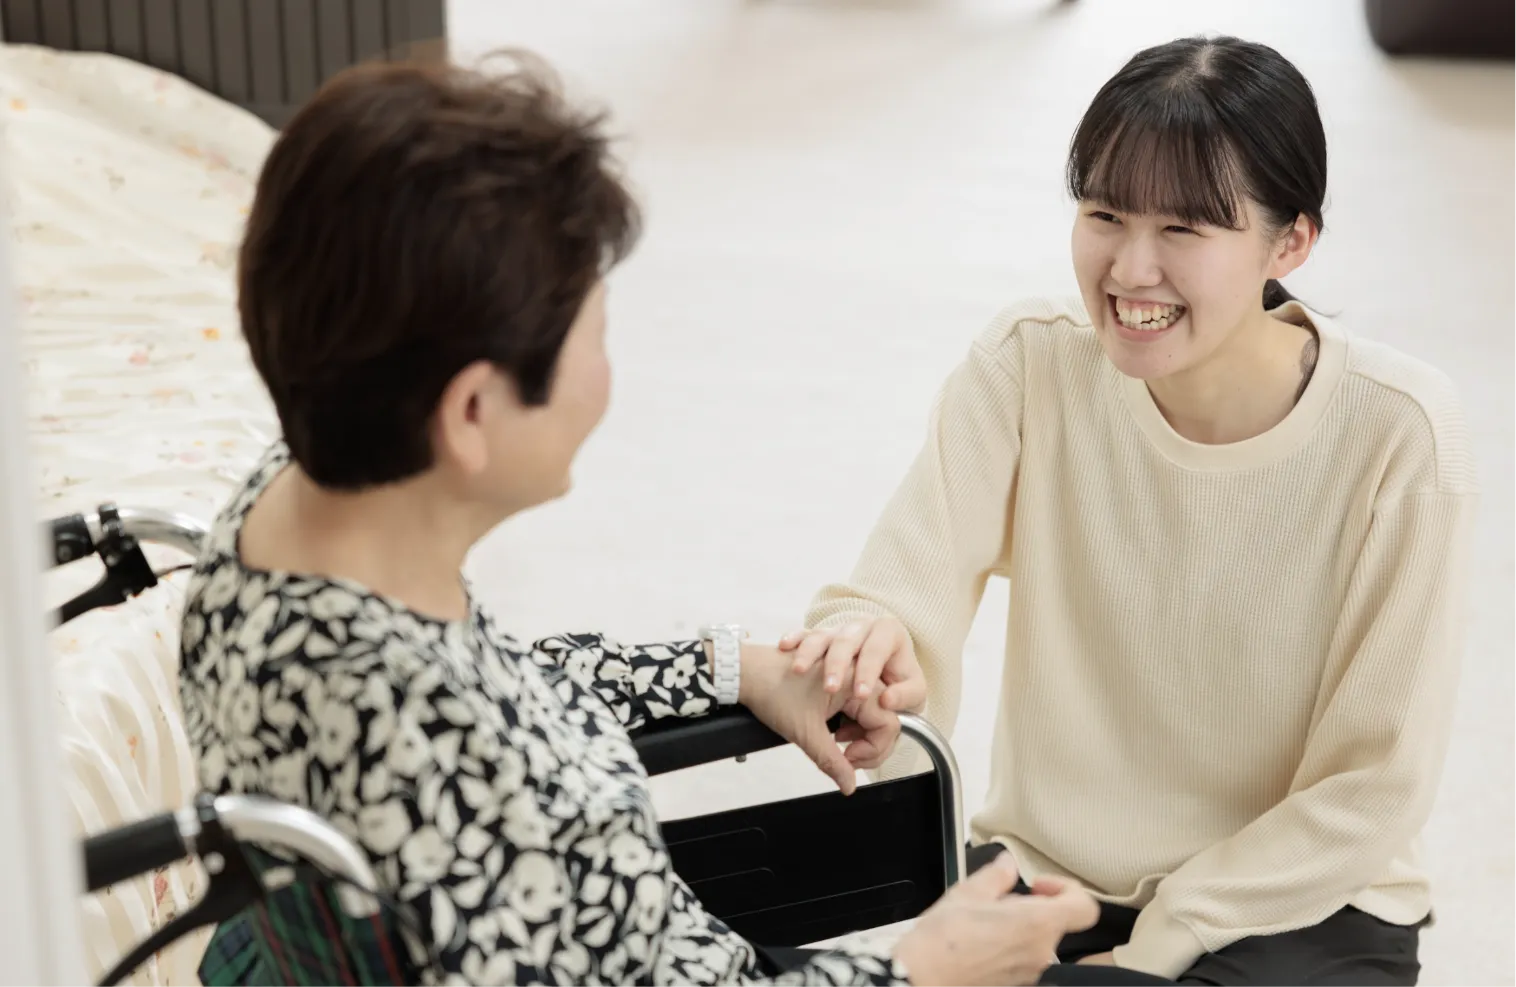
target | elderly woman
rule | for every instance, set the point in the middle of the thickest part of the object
(421, 289)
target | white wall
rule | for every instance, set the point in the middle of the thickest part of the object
(39, 871)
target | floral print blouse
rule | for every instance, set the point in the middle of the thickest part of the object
(492, 784)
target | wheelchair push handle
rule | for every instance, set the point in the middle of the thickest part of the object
(212, 826)
(138, 848)
(75, 536)
(116, 536)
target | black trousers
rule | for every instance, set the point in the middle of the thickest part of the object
(1350, 947)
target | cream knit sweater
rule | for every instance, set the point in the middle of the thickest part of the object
(1229, 670)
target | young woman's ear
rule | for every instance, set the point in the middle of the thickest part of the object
(1293, 248)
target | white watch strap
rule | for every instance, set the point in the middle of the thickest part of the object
(726, 665)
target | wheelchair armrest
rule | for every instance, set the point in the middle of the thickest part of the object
(676, 743)
(732, 731)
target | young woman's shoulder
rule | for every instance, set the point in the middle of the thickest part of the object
(1395, 394)
(1032, 329)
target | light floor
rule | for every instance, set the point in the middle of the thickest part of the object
(840, 194)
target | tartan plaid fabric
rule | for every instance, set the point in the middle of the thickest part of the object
(299, 934)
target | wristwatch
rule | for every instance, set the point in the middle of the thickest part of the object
(726, 660)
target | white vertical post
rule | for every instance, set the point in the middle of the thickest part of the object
(41, 882)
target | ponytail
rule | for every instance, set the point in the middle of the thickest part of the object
(1275, 295)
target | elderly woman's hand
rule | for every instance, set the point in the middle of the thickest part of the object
(979, 932)
(797, 707)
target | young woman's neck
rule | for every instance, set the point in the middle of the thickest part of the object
(402, 541)
(1245, 388)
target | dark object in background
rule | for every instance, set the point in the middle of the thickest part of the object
(267, 56)
(1445, 28)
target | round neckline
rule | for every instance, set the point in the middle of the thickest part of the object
(1267, 447)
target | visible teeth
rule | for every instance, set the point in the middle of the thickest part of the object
(1148, 317)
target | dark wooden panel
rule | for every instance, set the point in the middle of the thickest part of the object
(58, 25)
(23, 23)
(396, 28)
(428, 22)
(265, 51)
(367, 20)
(197, 53)
(299, 17)
(125, 20)
(334, 38)
(91, 28)
(160, 31)
(415, 29)
(229, 49)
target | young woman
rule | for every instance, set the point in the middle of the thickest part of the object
(421, 291)
(1236, 539)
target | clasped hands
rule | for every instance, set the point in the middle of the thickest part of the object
(866, 671)
(978, 932)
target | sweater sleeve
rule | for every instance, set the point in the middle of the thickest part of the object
(943, 531)
(1372, 760)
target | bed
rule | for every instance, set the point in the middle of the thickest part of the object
(134, 132)
(266, 56)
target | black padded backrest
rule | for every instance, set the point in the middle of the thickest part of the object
(265, 55)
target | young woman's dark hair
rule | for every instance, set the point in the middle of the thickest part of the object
(1195, 127)
(360, 303)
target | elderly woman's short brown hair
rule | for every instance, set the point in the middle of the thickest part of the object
(409, 221)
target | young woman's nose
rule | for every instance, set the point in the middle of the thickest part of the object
(1135, 264)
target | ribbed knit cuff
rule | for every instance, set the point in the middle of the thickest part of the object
(861, 610)
(1161, 945)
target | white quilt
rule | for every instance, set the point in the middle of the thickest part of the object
(126, 189)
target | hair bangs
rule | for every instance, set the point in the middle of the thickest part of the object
(1173, 162)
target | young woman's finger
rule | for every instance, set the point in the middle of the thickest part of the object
(863, 755)
(811, 650)
(850, 732)
(841, 655)
(905, 696)
(792, 640)
(877, 649)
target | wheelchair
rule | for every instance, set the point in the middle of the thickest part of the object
(292, 886)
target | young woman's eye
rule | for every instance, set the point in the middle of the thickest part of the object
(1178, 229)
(1104, 217)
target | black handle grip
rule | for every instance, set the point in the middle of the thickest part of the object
(120, 854)
(732, 731)
(68, 539)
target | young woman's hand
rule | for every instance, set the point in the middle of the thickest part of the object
(876, 651)
(981, 933)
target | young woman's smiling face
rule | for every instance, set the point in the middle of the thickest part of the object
(1165, 295)
(1200, 174)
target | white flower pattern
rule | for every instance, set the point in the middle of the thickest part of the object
(494, 786)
